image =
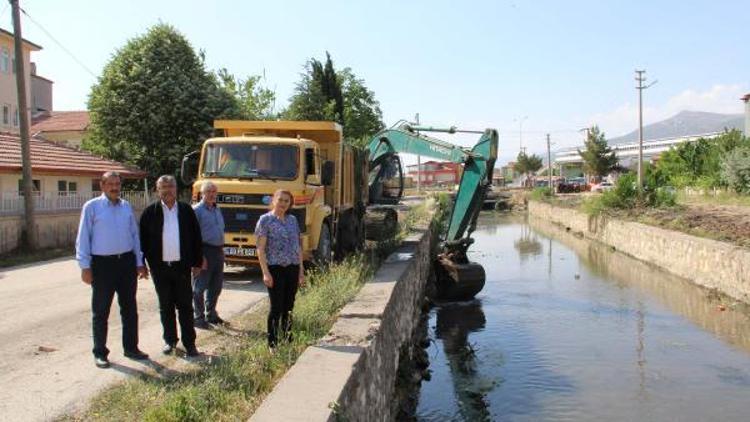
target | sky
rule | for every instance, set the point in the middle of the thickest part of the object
(525, 68)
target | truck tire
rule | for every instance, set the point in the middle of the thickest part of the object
(324, 252)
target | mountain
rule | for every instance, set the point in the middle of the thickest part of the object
(685, 123)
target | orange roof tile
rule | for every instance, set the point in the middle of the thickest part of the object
(51, 158)
(58, 121)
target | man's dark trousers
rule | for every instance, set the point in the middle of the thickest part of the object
(209, 283)
(114, 274)
(172, 283)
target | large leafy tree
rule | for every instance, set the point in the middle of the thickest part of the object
(154, 102)
(253, 100)
(325, 94)
(598, 158)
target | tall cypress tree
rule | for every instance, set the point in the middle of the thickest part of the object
(598, 158)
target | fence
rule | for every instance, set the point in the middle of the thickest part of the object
(12, 203)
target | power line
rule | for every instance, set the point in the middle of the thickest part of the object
(59, 44)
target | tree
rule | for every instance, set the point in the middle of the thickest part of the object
(526, 164)
(362, 115)
(253, 101)
(735, 170)
(154, 102)
(598, 158)
(325, 94)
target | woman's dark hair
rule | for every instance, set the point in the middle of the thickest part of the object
(283, 192)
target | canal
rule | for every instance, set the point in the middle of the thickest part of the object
(569, 330)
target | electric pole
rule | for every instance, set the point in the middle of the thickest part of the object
(419, 162)
(23, 112)
(640, 78)
(549, 166)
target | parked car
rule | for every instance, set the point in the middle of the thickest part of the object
(602, 187)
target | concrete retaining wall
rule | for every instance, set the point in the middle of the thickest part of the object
(351, 374)
(706, 262)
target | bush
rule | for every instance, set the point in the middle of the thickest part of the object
(541, 194)
(735, 170)
(625, 195)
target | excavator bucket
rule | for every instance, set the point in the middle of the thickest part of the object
(456, 282)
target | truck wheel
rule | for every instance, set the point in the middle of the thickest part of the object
(323, 255)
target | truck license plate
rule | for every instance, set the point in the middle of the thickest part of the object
(232, 251)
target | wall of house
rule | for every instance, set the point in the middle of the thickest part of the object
(8, 83)
(41, 94)
(9, 182)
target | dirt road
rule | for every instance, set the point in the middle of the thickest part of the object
(47, 367)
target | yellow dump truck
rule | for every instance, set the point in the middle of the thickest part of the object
(249, 160)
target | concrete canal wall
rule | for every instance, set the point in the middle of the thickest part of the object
(709, 263)
(351, 373)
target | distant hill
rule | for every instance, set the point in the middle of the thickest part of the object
(685, 123)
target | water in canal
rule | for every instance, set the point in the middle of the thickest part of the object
(569, 330)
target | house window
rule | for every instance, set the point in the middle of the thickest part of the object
(5, 60)
(64, 187)
(15, 118)
(6, 114)
(36, 186)
(95, 185)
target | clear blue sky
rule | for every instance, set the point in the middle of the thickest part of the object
(475, 64)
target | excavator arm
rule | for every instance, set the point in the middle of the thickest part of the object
(457, 277)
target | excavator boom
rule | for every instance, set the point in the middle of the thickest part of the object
(458, 279)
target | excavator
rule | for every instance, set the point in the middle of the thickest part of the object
(457, 278)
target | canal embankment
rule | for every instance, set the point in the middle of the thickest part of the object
(714, 264)
(351, 374)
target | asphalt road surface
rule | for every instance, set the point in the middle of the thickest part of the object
(47, 368)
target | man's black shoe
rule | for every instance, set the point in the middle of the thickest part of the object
(217, 320)
(136, 355)
(201, 324)
(167, 349)
(192, 352)
(101, 362)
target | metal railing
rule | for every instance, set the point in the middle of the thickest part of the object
(12, 203)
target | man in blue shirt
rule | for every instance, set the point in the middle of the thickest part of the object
(108, 251)
(210, 281)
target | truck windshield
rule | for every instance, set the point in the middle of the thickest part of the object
(250, 160)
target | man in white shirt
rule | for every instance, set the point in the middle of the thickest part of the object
(172, 246)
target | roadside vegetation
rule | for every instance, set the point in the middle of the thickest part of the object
(231, 382)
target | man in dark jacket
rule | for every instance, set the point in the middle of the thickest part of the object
(172, 246)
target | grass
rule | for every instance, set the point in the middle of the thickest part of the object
(11, 259)
(231, 386)
(721, 198)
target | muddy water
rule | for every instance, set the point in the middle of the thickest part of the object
(569, 330)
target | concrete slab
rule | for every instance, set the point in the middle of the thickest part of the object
(305, 392)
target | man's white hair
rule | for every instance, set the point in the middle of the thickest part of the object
(167, 178)
(207, 185)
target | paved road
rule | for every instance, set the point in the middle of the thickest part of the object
(45, 337)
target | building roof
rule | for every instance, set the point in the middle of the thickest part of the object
(50, 158)
(35, 47)
(60, 121)
(746, 98)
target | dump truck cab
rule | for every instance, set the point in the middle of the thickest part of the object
(249, 160)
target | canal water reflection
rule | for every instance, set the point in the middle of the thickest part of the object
(570, 330)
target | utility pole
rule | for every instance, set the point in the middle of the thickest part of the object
(23, 109)
(520, 132)
(640, 78)
(419, 162)
(549, 166)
